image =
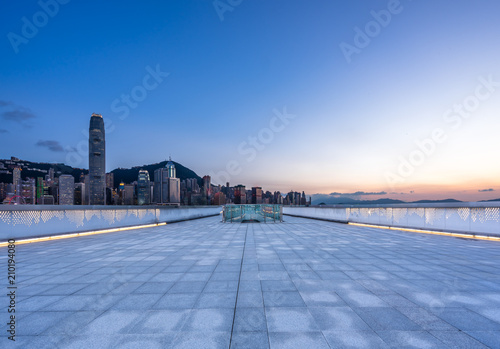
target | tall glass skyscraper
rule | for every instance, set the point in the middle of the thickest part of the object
(166, 188)
(97, 161)
(143, 188)
(66, 190)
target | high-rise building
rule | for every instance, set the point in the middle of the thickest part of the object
(219, 199)
(143, 184)
(207, 185)
(3, 192)
(97, 161)
(28, 191)
(128, 194)
(256, 195)
(166, 185)
(240, 195)
(110, 180)
(79, 193)
(50, 175)
(16, 180)
(66, 190)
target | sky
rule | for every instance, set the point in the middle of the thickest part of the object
(365, 98)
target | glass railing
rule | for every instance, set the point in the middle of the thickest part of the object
(252, 213)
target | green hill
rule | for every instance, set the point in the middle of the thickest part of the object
(126, 175)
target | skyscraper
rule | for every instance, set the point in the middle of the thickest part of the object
(66, 190)
(207, 185)
(16, 181)
(166, 185)
(240, 195)
(97, 161)
(110, 180)
(256, 195)
(143, 186)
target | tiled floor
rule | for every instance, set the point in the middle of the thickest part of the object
(299, 284)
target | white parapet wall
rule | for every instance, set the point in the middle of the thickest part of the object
(464, 217)
(23, 221)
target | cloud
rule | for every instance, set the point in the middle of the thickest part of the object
(16, 113)
(3, 130)
(485, 190)
(51, 145)
(358, 193)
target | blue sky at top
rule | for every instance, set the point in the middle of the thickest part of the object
(354, 121)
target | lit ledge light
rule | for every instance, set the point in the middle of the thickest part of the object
(67, 236)
(467, 236)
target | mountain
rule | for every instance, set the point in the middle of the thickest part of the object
(37, 169)
(489, 200)
(325, 199)
(126, 175)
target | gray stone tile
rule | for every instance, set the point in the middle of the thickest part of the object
(149, 341)
(177, 301)
(467, 320)
(354, 339)
(38, 342)
(187, 287)
(283, 299)
(250, 299)
(250, 285)
(94, 342)
(338, 318)
(189, 340)
(154, 287)
(250, 320)
(488, 338)
(250, 340)
(290, 320)
(297, 340)
(457, 339)
(410, 339)
(162, 321)
(73, 324)
(322, 298)
(209, 320)
(274, 285)
(221, 276)
(216, 300)
(426, 319)
(361, 299)
(386, 319)
(38, 322)
(137, 302)
(35, 303)
(196, 276)
(113, 322)
(221, 286)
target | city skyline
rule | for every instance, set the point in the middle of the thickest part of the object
(360, 100)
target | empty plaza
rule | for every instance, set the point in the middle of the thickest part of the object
(298, 284)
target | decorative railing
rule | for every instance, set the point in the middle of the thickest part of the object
(262, 213)
(469, 217)
(20, 221)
